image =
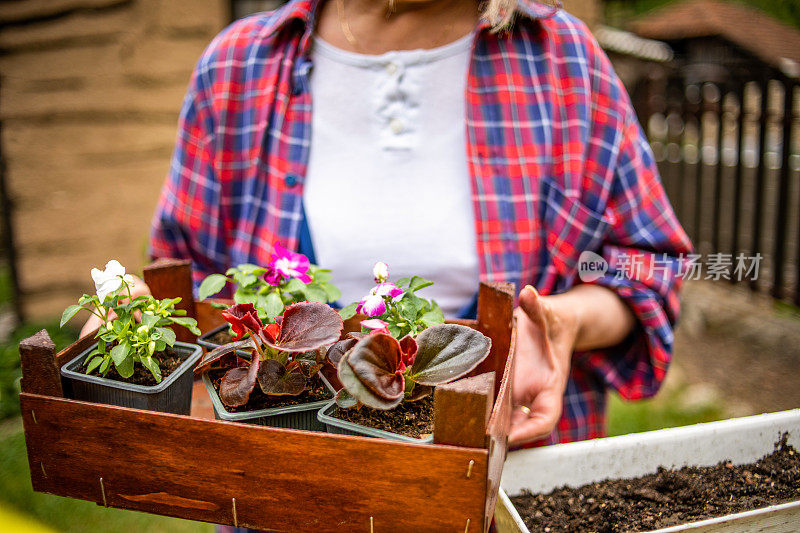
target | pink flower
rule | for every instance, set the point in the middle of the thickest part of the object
(286, 265)
(373, 304)
(376, 325)
(388, 289)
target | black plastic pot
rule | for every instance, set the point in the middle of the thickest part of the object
(172, 395)
(203, 341)
(344, 427)
(303, 416)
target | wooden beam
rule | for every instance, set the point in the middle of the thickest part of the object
(172, 278)
(495, 320)
(462, 411)
(40, 370)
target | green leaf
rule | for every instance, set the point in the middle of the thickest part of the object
(245, 297)
(160, 345)
(418, 283)
(348, 311)
(245, 280)
(149, 320)
(294, 285)
(167, 335)
(321, 276)
(410, 306)
(432, 317)
(231, 271)
(402, 282)
(125, 367)
(105, 365)
(69, 312)
(331, 290)
(152, 365)
(120, 352)
(273, 305)
(188, 323)
(248, 268)
(217, 305)
(94, 363)
(315, 293)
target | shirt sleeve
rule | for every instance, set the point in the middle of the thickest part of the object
(188, 222)
(644, 249)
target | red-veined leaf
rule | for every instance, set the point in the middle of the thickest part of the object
(307, 326)
(238, 383)
(276, 380)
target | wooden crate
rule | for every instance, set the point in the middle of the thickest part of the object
(271, 478)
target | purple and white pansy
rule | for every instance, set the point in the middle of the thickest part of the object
(374, 303)
(286, 265)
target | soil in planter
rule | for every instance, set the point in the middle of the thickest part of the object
(666, 498)
(412, 419)
(168, 361)
(258, 400)
(221, 338)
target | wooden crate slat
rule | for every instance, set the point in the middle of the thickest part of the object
(497, 430)
(192, 468)
(40, 370)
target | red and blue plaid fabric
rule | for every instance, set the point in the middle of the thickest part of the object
(558, 162)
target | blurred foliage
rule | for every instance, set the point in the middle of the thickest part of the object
(618, 12)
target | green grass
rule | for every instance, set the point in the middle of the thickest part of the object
(672, 407)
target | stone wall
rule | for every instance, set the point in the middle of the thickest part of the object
(89, 98)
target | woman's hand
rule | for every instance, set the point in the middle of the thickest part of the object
(139, 288)
(546, 334)
(549, 329)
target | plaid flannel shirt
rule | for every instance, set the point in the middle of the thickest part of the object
(558, 164)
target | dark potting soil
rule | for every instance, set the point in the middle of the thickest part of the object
(222, 337)
(168, 361)
(666, 498)
(412, 419)
(316, 391)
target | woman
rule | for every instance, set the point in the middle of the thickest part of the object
(449, 141)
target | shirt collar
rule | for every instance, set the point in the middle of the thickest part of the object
(305, 11)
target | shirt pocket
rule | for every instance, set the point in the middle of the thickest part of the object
(570, 228)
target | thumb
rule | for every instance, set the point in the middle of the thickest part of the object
(533, 305)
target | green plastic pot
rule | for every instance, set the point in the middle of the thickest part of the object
(303, 416)
(344, 427)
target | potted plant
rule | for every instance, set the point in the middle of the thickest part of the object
(388, 371)
(288, 278)
(136, 361)
(283, 357)
(619, 467)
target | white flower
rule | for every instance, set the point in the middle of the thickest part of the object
(108, 280)
(380, 272)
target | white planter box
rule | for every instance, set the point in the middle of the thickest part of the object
(740, 440)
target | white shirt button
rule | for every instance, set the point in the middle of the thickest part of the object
(391, 68)
(396, 125)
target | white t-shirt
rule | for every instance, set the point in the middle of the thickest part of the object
(387, 177)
